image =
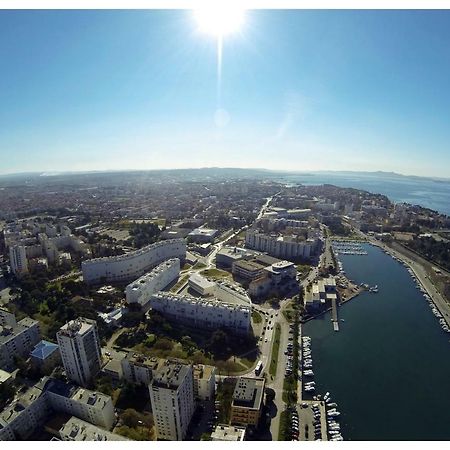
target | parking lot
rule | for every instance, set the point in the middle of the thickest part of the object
(312, 417)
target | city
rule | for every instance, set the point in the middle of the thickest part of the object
(107, 314)
(224, 221)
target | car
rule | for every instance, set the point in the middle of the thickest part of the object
(265, 340)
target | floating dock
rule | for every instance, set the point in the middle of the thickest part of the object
(334, 315)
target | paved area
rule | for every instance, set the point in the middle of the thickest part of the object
(307, 419)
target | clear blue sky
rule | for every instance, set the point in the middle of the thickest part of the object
(303, 90)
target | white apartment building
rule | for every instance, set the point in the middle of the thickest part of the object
(138, 369)
(204, 381)
(228, 433)
(94, 407)
(78, 430)
(207, 313)
(172, 400)
(280, 246)
(79, 345)
(18, 260)
(16, 339)
(134, 264)
(24, 415)
(20, 419)
(144, 287)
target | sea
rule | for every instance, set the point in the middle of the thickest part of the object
(388, 368)
(426, 192)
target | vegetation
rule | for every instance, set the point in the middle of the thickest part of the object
(283, 431)
(275, 351)
(290, 382)
(180, 283)
(338, 228)
(55, 303)
(215, 273)
(224, 395)
(136, 426)
(162, 338)
(433, 250)
(256, 316)
(132, 395)
(142, 234)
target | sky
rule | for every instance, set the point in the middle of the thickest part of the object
(300, 90)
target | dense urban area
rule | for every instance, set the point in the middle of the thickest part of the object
(168, 305)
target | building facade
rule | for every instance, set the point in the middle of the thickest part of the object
(143, 288)
(207, 313)
(79, 345)
(17, 340)
(172, 400)
(247, 401)
(204, 381)
(18, 260)
(281, 246)
(134, 264)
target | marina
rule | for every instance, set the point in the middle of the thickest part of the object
(385, 343)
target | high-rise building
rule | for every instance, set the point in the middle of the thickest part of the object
(79, 345)
(18, 260)
(172, 399)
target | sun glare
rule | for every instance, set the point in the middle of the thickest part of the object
(219, 20)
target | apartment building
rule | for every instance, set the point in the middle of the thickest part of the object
(286, 247)
(207, 313)
(204, 381)
(247, 401)
(138, 369)
(248, 270)
(228, 433)
(79, 345)
(78, 430)
(143, 288)
(16, 339)
(18, 260)
(27, 413)
(172, 400)
(133, 264)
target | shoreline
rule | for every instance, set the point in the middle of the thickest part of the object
(423, 279)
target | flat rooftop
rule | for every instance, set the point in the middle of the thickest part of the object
(248, 392)
(228, 433)
(170, 376)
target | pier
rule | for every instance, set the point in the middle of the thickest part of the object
(334, 315)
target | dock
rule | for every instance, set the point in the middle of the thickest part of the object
(334, 315)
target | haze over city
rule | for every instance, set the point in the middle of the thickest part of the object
(298, 90)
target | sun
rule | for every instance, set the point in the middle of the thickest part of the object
(219, 20)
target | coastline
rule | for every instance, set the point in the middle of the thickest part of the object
(422, 277)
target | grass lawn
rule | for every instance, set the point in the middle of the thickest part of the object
(275, 351)
(256, 316)
(215, 273)
(290, 389)
(284, 422)
(180, 283)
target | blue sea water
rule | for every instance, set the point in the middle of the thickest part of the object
(425, 192)
(388, 367)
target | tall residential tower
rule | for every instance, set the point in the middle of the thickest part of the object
(79, 345)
